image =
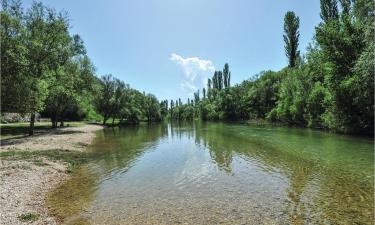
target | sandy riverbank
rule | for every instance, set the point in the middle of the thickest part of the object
(24, 183)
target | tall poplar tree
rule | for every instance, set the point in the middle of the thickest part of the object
(328, 10)
(291, 36)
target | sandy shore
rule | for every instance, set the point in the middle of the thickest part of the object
(24, 184)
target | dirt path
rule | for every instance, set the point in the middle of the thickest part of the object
(24, 184)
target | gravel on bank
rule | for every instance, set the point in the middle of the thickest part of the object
(24, 184)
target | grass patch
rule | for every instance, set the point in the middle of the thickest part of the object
(39, 162)
(28, 217)
(72, 158)
(17, 130)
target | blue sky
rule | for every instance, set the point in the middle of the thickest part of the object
(170, 47)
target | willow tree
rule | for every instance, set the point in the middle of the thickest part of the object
(13, 58)
(104, 99)
(291, 36)
(47, 41)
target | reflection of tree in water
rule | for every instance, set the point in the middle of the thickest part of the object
(117, 148)
(318, 192)
(220, 150)
(313, 194)
(222, 156)
(181, 129)
(113, 149)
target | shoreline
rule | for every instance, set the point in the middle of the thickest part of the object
(31, 167)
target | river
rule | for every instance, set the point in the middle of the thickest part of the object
(220, 173)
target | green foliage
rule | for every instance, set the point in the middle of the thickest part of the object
(346, 46)
(117, 100)
(291, 36)
(315, 105)
(328, 10)
(29, 217)
(105, 97)
(262, 95)
(333, 88)
(293, 93)
(45, 69)
(152, 108)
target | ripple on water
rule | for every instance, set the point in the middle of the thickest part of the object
(218, 173)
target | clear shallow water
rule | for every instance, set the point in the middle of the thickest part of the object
(211, 173)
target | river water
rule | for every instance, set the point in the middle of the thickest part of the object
(220, 173)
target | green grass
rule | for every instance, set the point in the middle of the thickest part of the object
(39, 162)
(72, 158)
(18, 130)
(28, 217)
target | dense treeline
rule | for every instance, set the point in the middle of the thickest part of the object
(331, 86)
(45, 69)
(118, 100)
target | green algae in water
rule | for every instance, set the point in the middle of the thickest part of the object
(210, 173)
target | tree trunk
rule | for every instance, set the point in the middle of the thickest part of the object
(32, 122)
(113, 121)
(104, 119)
(54, 120)
(62, 121)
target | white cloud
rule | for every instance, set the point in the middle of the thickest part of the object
(195, 71)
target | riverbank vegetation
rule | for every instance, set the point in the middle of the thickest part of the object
(46, 70)
(330, 86)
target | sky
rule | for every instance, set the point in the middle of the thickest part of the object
(170, 47)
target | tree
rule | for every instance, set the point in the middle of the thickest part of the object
(119, 99)
(328, 10)
(164, 108)
(152, 108)
(219, 80)
(48, 45)
(171, 109)
(291, 36)
(133, 109)
(70, 79)
(13, 58)
(226, 74)
(215, 83)
(104, 99)
(344, 42)
(196, 97)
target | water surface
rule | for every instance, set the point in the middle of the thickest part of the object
(212, 173)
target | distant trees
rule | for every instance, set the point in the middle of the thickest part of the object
(333, 87)
(291, 36)
(152, 108)
(117, 100)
